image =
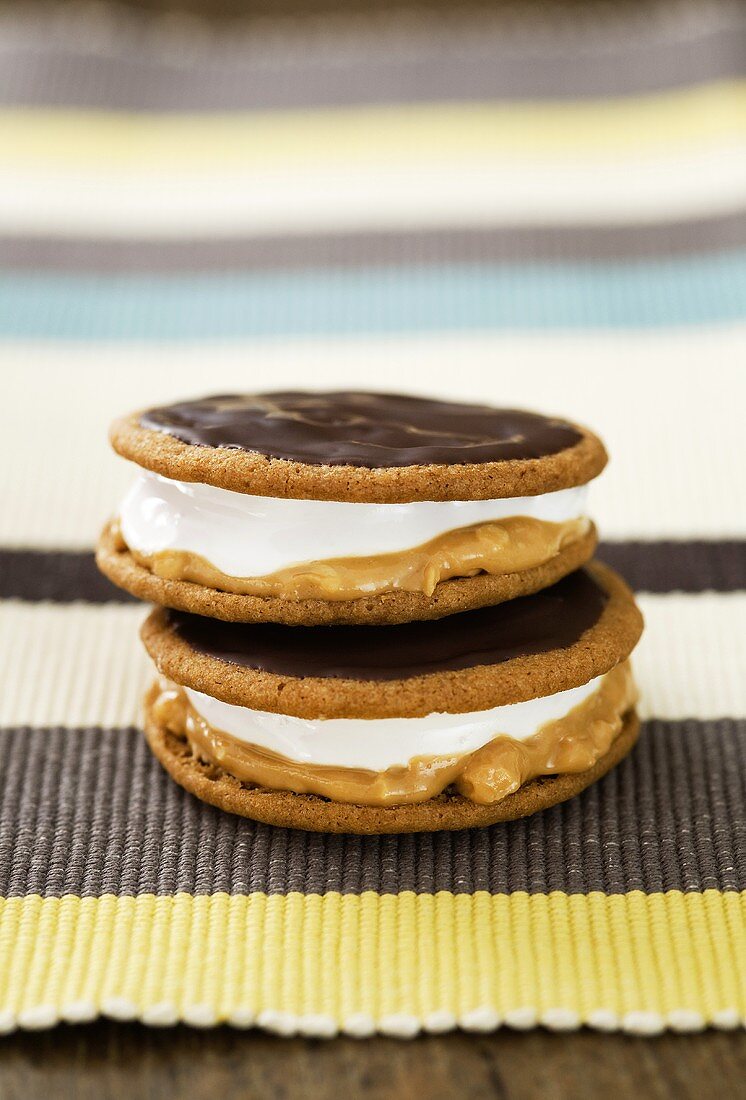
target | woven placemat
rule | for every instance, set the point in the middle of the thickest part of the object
(536, 209)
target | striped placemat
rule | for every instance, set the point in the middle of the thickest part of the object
(528, 207)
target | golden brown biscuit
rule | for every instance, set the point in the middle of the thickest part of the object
(399, 606)
(357, 449)
(563, 637)
(295, 811)
(360, 447)
(536, 645)
(387, 451)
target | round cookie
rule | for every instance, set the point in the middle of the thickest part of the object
(461, 594)
(535, 646)
(319, 815)
(366, 451)
(359, 447)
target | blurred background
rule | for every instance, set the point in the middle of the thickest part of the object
(539, 204)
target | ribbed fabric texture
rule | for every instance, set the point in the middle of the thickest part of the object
(524, 206)
(672, 817)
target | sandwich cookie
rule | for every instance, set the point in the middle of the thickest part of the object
(486, 716)
(350, 508)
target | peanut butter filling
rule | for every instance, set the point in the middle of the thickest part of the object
(506, 546)
(570, 744)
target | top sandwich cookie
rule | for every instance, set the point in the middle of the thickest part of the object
(489, 715)
(315, 508)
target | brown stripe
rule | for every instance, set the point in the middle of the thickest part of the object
(679, 566)
(91, 812)
(60, 576)
(457, 60)
(668, 566)
(374, 249)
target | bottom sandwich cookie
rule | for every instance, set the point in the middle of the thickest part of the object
(482, 717)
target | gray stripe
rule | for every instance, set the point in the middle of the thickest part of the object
(477, 245)
(91, 812)
(457, 63)
(66, 575)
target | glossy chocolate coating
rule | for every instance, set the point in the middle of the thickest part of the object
(551, 619)
(371, 430)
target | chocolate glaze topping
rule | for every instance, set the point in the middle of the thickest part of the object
(373, 430)
(551, 619)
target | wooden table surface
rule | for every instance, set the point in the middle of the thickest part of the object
(108, 1060)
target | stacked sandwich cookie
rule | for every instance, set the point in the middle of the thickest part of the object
(378, 613)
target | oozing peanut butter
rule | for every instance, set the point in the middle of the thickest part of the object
(569, 744)
(506, 546)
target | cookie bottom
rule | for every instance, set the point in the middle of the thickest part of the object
(449, 597)
(298, 811)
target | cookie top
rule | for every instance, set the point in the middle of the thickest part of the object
(353, 446)
(536, 645)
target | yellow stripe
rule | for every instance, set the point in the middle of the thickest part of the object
(208, 143)
(397, 963)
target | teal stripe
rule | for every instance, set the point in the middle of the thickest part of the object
(689, 290)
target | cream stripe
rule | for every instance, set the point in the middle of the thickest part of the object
(432, 192)
(175, 142)
(83, 665)
(691, 659)
(426, 165)
(71, 665)
(668, 404)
